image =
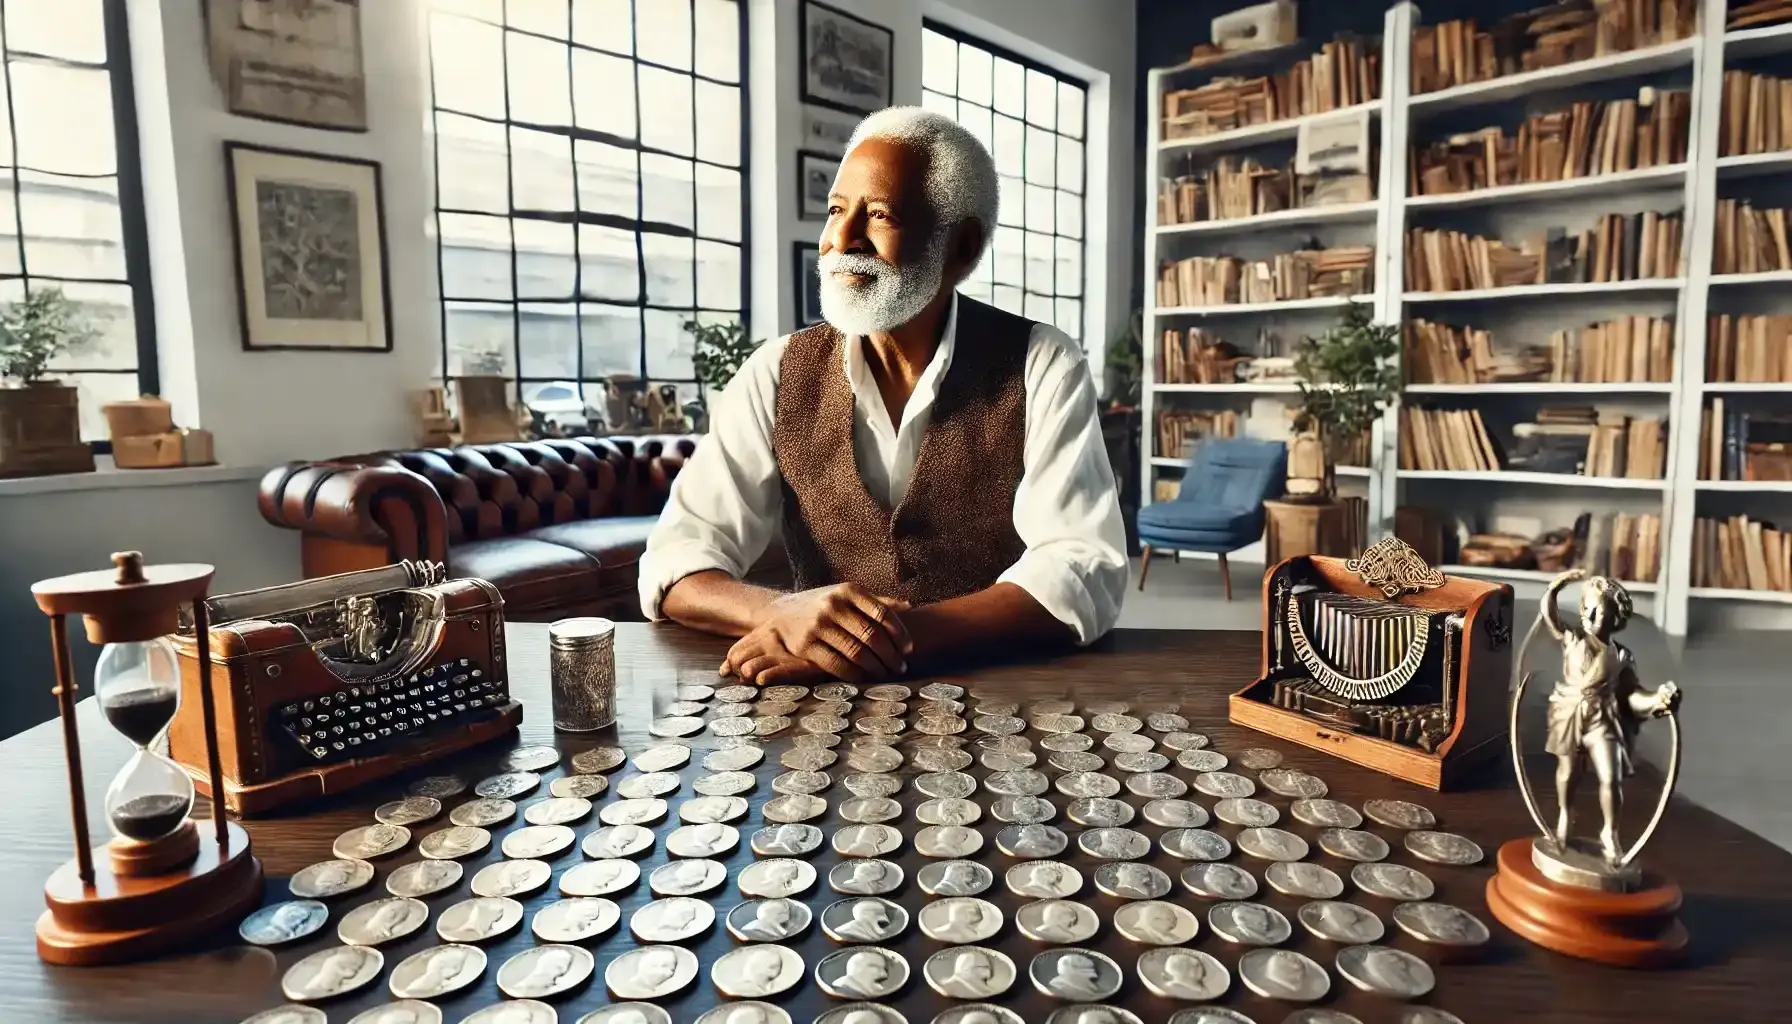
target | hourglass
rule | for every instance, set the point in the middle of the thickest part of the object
(157, 884)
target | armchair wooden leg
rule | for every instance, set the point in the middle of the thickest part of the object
(1144, 565)
(1226, 576)
(1176, 556)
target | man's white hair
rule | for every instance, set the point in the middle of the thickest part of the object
(961, 175)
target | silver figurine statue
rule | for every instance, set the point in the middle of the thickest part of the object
(1595, 711)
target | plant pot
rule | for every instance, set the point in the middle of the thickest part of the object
(40, 431)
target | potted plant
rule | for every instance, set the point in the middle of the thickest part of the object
(40, 419)
(1347, 376)
(722, 348)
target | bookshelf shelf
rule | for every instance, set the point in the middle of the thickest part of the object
(1756, 486)
(1360, 472)
(1593, 185)
(1752, 165)
(1498, 572)
(1757, 42)
(1242, 388)
(1515, 476)
(1542, 388)
(1747, 387)
(1260, 134)
(1533, 291)
(1248, 308)
(1742, 280)
(1731, 594)
(1599, 69)
(1343, 213)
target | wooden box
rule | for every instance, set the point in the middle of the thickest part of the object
(40, 431)
(139, 417)
(163, 451)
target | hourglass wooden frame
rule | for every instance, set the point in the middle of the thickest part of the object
(130, 900)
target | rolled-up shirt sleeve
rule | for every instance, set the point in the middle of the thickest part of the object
(1067, 508)
(725, 505)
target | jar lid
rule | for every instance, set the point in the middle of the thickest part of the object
(581, 631)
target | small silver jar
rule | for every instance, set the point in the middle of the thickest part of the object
(582, 656)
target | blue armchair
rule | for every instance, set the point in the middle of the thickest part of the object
(1220, 506)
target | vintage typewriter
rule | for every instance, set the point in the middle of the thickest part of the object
(329, 683)
(1384, 661)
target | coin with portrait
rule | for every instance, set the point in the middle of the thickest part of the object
(409, 811)
(485, 811)
(1180, 741)
(532, 758)
(773, 920)
(513, 1011)
(479, 919)
(1058, 723)
(651, 972)
(882, 725)
(1318, 1015)
(1201, 759)
(870, 810)
(1289, 782)
(1172, 972)
(597, 760)
(1246, 811)
(1166, 722)
(835, 691)
(1067, 742)
(1128, 742)
(512, 878)
(955, 878)
(945, 785)
(1224, 784)
(578, 919)
(1219, 881)
(618, 841)
(733, 759)
(758, 970)
(888, 691)
(1116, 723)
(1132, 881)
(770, 725)
(1442, 847)
(866, 919)
(1272, 844)
(1210, 1015)
(647, 784)
(786, 840)
(633, 812)
(1392, 881)
(1025, 810)
(948, 811)
(777, 877)
(821, 722)
(867, 841)
(872, 785)
(1044, 880)
(673, 919)
(1114, 844)
(580, 787)
(1099, 812)
(508, 785)
(1007, 760)
(280, 923)
(625, 1013)
(1146, 763)
(1399, 814)
(1325, 813)
(1344, 923)
(977, 1013)
(969, 972)
(1385, 971)
(381, 921)
(960, 919)
(1283, 974)
(600, 877)
(862, 972)
(874, 759)
(371, 841)
(999, 725)
(1032, 841)
(546, 971)
(1300, 878)
(1057, 921)
(1093, 1014)
(403, 1011)
(662, 758)
(711, 839)
(1075, 975)
(868, 876)
(1175, 813)
(1195, 844)
(437, 972)
(1087, 784)
(1076, 761)
(807, 759)
(1353, 844)
(331, 878)
(1249, 924)
(739, 693)
(1157, 923)
(1440, 924)
(331, 972)
(933, 759)
(557, 811)
(440, 787)
(794, 807)
(537, 842)
(687, 877)
(1425, 1015)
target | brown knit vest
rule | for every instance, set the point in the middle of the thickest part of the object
(953, 532)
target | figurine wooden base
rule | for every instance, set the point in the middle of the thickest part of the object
(1624, 929)
(124, 918)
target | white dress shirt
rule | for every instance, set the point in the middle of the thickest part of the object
(726, 504)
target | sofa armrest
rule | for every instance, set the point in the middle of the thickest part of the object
(366, 506)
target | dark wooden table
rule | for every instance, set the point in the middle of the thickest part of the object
(1737, 885)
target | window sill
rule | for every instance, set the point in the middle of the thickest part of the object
(107, 477)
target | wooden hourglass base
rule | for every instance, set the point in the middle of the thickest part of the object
(1624, 929)
(141, 859)
(125, 917)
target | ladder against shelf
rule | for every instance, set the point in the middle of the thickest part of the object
(1628, 64)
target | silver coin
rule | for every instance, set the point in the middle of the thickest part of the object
(687, 877)
(1219, 881)
(1288, 782)
(702, 809)
(650, 972)
(1247, 811)
(888, 691)
(836, 691)
(776, 878)
(872, 784)
(1260, 758)
(1187, 974)
(741, 726)
(671, 920)
(1075, 975)
(1195, 844)
(724, 784)
(1004, 744)
(479, 919)
(1116, 723)
(1032, 841)
(539, 842)
(1301, 878)
(331, 972)
(454, 842)
(969, 972)
(559, 810)
(1164, 721)
(862, 972)
(737, 694)
(942, 691)
(822, 723)
(1067, 742)
(1149, 761)
(776, 709)
(582, 787)
(1441, 924)
(695, 691)
(1272, 844)
(1314, 1015)
(936, 743)
(977, 1013)
(1128, 742)
(1284, 974)
(733, 759)
(1181, 741)
(441, 787)
(535, 758)
(1099, 812)
(786, 840)
(648, 785)
(1060, 723)
(409, 811)
(735, 710)
(1044, 880)
(874, 759)
(371, 841)
(869, 810)
(626, 840)
(624, 1013)
(597, 760)
(662, 758)
(1114, 844)
(1225, 784)
(770, 725)
(1130, 881)
(512, 878)
(783, 692)
(866, 840)
(507, 786)
(1210, 1015)
(943, 811)
(994, 708)
(1353, 844)
(947, 785)
(1399, 814)
(1023, 810)
(1344, 923)
(1093, 1014)
(936, 759)
(1155, 785)
(1157, 923)
(485, 811)
(1392, 881)
(864, 919)
(769, 920)
(293, 1013)
(756, 971)
(802, 783)
(1175, 813)
(793, 807)
(1076, 761)
(950, 842)
(1007, 760)
(808, 759)
(600, 877)
(1415, 1015)
(1249, 924)
(424, 878)
(1200, 759)
(867, 876)
(1057, 921)
(1051, 707)
(407, 1011)
(281, 923)
(330, 879)
(884, 725)
(1442, 847)
(1024, 782)
(955, 878)
(710, 839)
(1386, 971)
(999, 725)
(1325, 813)
(437, 972)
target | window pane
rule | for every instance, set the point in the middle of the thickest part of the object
(669, 345)
(1041, 263)
(718, 123)
(718, 203)
(1039, 208)
(540, 91)
(671, 276)
(1070, 215)
(940, 104)
(718, 275)
(718, 39)
(1070, 318)
(468, 61)
(974, 75)
(976, 121)
(1070, 267)
(475, 256)
(1038, 307)
(1042, 99)
(666, 110)
(94, 391)
(604, 93)
(48, 99)
(663, 32)
(667, 191)
(108, 308)
(608, 179)
(472, 167)
(608, 266)
(1009, 299)
(541, 170)
(1010, 88)
(545, 261)
(1071, 105)
(1042, 157)
(480, 337)
(1010, 267)
(611, 338)
(1014, 201)
(9, 229)
(548, 17)
(73, 227)
(68, 29)
(1070, 164)
(548, 340)
(939, 62)
(605, 24)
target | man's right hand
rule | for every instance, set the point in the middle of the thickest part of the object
(844, 630)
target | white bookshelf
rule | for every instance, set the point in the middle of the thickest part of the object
(1692, 187)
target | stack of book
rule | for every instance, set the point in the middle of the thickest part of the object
(1589, 138)
(1749, 241)
(1584, 441)
(1635, 552)
(1451, 261)
(1197, 356)
(1757, 13)
(1757, 114)
(1619, 247)
(1740, 553)
(1457, 52)
(1749, 348)
(1626, 350)
(1230, 189)
(1744, 445)
(1179, 431)
(1634, 447)
(1228, 280)
(1447, 354)
(1452, 439)
(1344, 73)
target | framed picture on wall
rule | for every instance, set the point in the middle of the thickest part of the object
(827, 131)
(806, 258)
(814, 183)
(847, 63)
(310, 250)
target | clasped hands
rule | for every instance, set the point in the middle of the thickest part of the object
(840, 632)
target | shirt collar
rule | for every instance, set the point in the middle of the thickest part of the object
(864, 387)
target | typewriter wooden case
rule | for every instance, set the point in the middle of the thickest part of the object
(1385, 662)
(330, 683)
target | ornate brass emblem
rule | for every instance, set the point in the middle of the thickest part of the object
(1391, 566)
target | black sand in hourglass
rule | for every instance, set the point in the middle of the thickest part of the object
(142, 713)
(150, 816)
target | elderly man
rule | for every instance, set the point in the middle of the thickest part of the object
(935, 465)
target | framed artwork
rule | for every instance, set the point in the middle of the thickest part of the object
(825, 131)
(296, 63)
(310, 250)
(847, 62)
(814, 183)
(806, 258)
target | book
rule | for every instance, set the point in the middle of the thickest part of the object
(1748, 240)
(1618, 247)
(1229, 280)
(1458, 52)
(1749, 348)
(1344, 73)
(1586, 139)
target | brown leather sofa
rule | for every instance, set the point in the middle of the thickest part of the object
(558, 525)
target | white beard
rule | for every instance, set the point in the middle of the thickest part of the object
(890, 298)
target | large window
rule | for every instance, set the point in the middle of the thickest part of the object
(71, 203)
(590, 188)
(1033, 121)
